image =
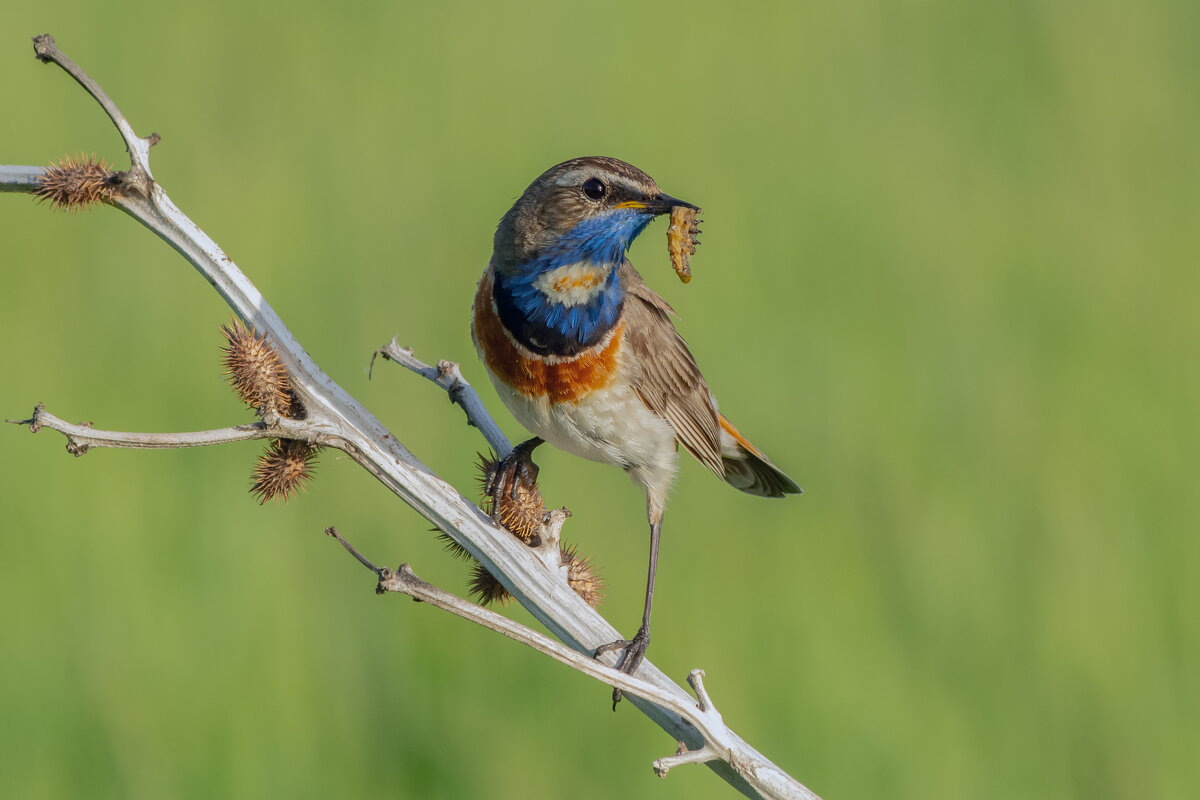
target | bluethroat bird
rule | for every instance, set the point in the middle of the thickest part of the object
(584, 353)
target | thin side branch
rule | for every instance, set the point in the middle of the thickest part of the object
(684, 756)
(138, 148)
(333, 531)
(404, 581)
(448, 376)
(696, 681)
(82, 437)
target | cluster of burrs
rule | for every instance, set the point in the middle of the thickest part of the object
(260, 379)
(512, 498)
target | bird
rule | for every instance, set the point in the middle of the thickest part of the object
(585, 355)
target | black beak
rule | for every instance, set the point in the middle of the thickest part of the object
(663, 203)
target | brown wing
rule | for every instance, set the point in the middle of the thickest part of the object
(665, 375)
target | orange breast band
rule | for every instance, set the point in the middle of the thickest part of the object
(562, 380)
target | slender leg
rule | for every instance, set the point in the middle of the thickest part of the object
(635, 648)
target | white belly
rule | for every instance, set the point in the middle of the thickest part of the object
(610, 425)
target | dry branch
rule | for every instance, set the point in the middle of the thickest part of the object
(336, 419)
(701, 715)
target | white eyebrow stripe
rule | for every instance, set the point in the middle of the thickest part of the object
(575, 176)
(570, 177)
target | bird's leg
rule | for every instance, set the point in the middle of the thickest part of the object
(507, 475)
(635, 648)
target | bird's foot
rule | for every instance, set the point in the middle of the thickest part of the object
(635, 652)
(515, 470)
(511, 486)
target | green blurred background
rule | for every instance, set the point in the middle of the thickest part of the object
(948, 281)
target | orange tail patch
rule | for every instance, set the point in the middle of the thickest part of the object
(727, 426)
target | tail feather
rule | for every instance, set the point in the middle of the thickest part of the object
(748, 468)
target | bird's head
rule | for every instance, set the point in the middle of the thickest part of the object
(585, 209)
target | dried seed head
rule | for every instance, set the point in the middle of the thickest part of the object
(523, 514)
(581, 577)
(516, 503)
(487, 589)
(256, 373)
(76, 183)
(283, 468)
(683, 234)
(518, 507)
(452, 547)
(485, 465)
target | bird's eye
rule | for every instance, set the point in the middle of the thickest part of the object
(594, 188)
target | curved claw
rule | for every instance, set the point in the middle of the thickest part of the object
(511, 472)
(635, 653)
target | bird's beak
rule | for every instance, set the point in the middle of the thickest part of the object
(657, 204)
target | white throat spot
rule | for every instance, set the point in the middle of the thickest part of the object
(573, 284)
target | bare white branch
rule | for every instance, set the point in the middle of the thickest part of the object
(334, 418)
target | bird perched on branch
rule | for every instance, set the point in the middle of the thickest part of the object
(585, 355)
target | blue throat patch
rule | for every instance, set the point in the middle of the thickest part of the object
(545, 325)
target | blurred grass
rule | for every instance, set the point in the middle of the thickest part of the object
(948, 281)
